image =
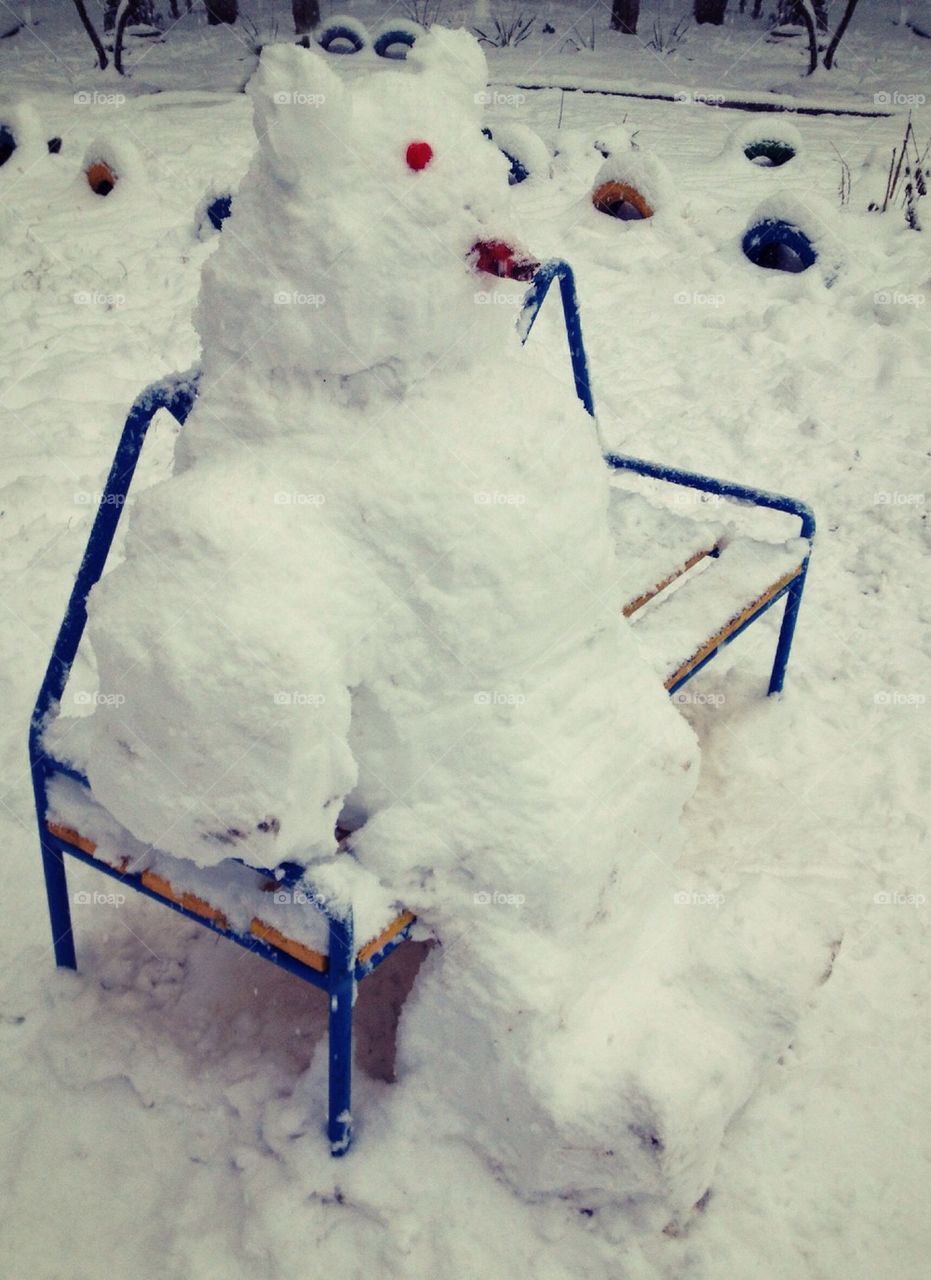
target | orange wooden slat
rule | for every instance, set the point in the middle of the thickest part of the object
(730, 627)
(70, 836)
(372, 948)
(159, 885)
(297, 950)
(639, 601)
(197, 906)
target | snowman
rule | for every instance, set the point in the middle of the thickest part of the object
(374, 615)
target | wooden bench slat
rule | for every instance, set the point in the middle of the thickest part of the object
(163, 888)
(633, 605)
(70, 836)
(372, 948)
(190, 901)
(729, 628)
(686, 625)
(656, 544)
(297, 950)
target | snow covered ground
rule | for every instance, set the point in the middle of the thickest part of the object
(156, 1104)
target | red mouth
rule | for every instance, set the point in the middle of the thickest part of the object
(496, 258)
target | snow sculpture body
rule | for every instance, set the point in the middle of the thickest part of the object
(378, 595)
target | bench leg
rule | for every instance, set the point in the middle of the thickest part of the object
(341, 994)
(59, 907)
(786, 633)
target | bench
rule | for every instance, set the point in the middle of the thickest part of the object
(689, 586)
(699, 588)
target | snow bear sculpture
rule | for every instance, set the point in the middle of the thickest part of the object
(374, 615)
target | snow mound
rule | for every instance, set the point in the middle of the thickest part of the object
(521, 145)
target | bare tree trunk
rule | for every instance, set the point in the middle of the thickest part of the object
(711, 11)
(143, 11)
(124, 14)
(839, 34)
(789, 11)
(625, 14)
(91, 31)
(221, 11)
(806, 13)
(306, 15)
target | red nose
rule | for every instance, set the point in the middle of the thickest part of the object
(419, 155)
(499, 259)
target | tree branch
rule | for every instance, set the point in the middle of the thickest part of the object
(807, 14)
(838, 34)
(91, 31)
(122, 21)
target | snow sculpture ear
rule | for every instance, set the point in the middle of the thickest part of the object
(298, 101)
(455, 59)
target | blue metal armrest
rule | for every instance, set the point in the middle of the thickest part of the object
(556, 269)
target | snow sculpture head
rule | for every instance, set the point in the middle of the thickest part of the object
(348, 246)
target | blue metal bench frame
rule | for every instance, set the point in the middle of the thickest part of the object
(345, 966)
(343, 969)
(557, 270)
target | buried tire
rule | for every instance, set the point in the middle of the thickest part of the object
(340, 32)
(777, 245)
(632, 186)
(764, 143)
(7, 143)
(396, 40)
(21, 135)
(621, 200)
(101, 177)
(525, 151)
(218, 210)
(769, 153)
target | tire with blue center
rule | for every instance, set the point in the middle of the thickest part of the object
(7, 143)
(343, 30)
(777, 245)
(396, 39)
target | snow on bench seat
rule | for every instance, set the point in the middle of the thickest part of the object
(692, 619)
(233, 897)
(655, 545)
